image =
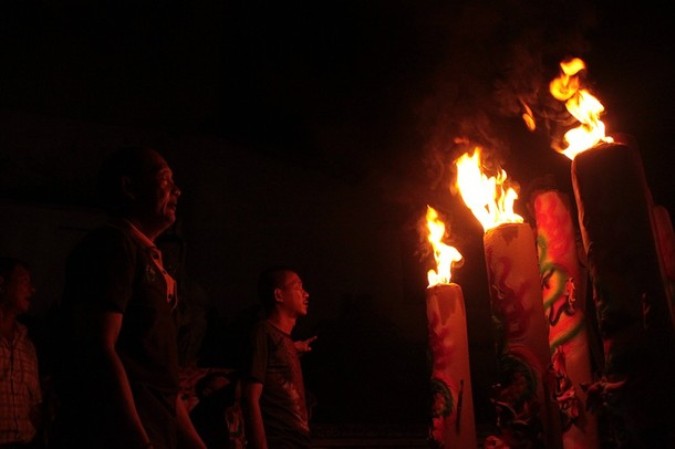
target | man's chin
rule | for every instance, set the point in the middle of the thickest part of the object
(167, 221)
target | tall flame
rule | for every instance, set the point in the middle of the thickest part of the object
(489, 198)
(445, 255)
(583, 106)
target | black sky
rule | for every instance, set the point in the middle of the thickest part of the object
(362, 91)
(342, 85)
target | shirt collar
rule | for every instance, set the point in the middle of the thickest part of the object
(145, 240)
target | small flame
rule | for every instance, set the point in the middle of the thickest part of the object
(490, 200)
(445, 255)
(583, 106)
(528, 116)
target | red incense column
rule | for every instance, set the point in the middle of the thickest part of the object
(635, 316)
(665, 236)
(453, 423)
(564, 304)
(524, 398)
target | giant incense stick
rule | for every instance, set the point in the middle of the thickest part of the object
(525, 393)
(453, 423)
(564, 304)
(452, 418)
(526, 413)
(665, 236)
(630, 293)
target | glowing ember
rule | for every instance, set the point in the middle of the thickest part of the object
(583, 106)
(489, 198)
(445, 255)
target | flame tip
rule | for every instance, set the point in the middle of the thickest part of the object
(445, 255)
(491, 199)
(582, 105)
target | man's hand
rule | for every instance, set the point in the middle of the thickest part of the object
(303, 346)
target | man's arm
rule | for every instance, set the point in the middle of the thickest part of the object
(106, 331)
(186, 430)
(255, 429)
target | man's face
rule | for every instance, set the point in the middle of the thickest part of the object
(156, 193)
(293, 295)
(18, 289)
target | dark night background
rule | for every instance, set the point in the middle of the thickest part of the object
(314, 133)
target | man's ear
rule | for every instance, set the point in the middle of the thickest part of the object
(277, 295)
(127, 187)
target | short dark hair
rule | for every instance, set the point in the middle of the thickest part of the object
(269, 280)
(128, 161)
(8, 264)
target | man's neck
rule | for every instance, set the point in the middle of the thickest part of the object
(7, 323)
(150, 232)
(283, 322)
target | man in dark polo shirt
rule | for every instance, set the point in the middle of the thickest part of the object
(118, 381)
(273, 390)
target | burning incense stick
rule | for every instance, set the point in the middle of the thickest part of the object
(526, 384)
(665, 236)
(527, 413)
(615, 217)
(564, 304)
(621, 231)
(453, 423)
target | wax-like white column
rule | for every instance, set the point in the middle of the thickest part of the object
(525, 393)
(630, 293)
(564, 304)
(453, 423)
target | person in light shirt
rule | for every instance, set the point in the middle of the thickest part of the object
(118, 384)
(20, 389)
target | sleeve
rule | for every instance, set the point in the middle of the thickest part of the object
(256, 363)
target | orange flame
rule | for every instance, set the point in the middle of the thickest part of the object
(489, 198)
(445, 255)
(583, 106)
(528, 116)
